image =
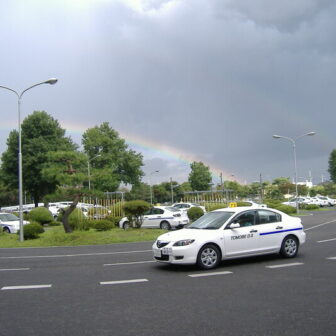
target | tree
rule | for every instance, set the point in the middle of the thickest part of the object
(114, 162)
(138, 191)
(200, 176)
(332, 165)
(284, 185)
(41, 134)
(8, 196)
(135, 210)
(67, 169)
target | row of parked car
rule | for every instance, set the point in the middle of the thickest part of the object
(163, 217)
(321, 201)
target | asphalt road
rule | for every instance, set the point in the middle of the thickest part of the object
(119, 290)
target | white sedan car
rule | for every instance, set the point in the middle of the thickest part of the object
(10, 223)
(231, 233)
(160, 217)
(186, 206)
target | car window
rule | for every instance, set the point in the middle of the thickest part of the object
(266, 216)
(172, 209)
(246, 218)
(157, 211)
(211, 221)
(8, 217)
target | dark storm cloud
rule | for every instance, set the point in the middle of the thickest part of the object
(211, 78)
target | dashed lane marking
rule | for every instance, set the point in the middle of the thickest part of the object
(75, 255)
(285, 265)
(13, 269)
(131, 263)
(332, 258)
(122, 281)
(198, 275)
(327, 240)
(322, 224)
(25, 287)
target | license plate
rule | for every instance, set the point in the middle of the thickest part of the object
(166, 250)
(157, 253)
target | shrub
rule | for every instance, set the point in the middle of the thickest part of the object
(212, 207)
(32, 231)
(243, 204)
(55, 223)
(41, 215)
(77, 220)
(102, 225)
(136, 209)
(309, 206)
(114, 219)
(286, 209)
(195, 213)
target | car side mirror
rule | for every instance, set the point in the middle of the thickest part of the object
(234, 225)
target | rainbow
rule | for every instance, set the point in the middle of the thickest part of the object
(156, 148)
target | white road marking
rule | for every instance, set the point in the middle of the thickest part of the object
(131, 263)
(316, 226)
(332, 258)
(75, 255)
(198, 275)
(14, 269)
(26, 287)
(327, 240)
(285, 265)
(122, 282)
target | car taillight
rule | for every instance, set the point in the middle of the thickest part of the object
(177, 215)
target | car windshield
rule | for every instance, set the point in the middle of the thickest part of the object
(172, 209)
(8, 218)
(211, 220)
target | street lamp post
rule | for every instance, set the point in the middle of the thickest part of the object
(19, 96)
(293, 141)
(150, 186)
(88, 167)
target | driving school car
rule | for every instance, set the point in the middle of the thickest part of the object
(160, 217)
(231, 233)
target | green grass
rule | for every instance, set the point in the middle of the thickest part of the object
(55, 236)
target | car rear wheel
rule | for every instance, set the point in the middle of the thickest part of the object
(289, 247)
(165, 226)
(126, 225)
(208, 257)
(6, 230)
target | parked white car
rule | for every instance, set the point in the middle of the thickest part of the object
(332, 201)
(321, 201)
(160, 217)
(325, 200)
(10, 223)
(231, 233)
(300, 200)
(186, 206)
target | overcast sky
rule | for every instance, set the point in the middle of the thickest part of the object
(181, 80)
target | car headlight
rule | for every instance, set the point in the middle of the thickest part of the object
(184, 242)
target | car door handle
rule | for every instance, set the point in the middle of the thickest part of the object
(253, 231)
(279, 228)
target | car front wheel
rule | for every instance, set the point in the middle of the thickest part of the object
(208, 257)
(289, 247)
(126, 225)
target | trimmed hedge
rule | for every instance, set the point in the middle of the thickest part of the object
(101, 225)
(32, 231)
(41, 215)
(195, 213)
